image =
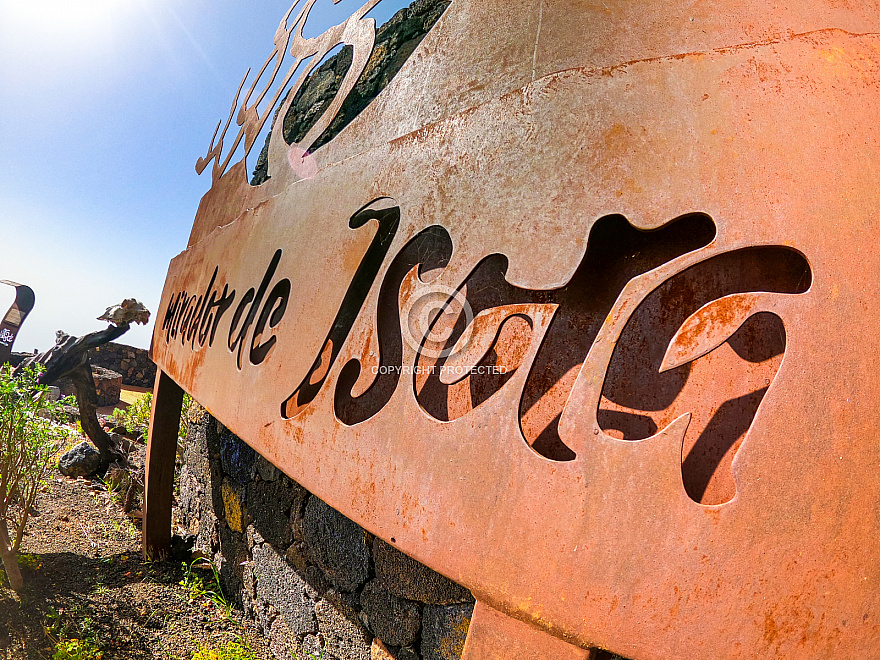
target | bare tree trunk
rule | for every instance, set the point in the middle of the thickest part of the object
(70, 357)
(82, 380)
(10, 560)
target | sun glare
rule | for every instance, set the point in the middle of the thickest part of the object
(61, 22)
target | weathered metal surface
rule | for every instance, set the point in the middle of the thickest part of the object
(650, 221)
(11, 322)
(494, 636)
(159, 477)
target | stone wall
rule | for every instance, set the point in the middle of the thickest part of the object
(108, 385)
(133, 363)
(313, 579)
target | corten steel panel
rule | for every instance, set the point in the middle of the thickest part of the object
(655, 227)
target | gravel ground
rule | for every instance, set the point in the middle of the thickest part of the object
(85, 578)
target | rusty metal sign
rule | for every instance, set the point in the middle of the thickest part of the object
(577, 312)
(14, 317)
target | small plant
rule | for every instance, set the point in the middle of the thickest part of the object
(120, 529)
(113, 488)
(184, 415)
(72, 639)
(136, 417)
(77, 649)
(29, 441)
(200, 588)
(235, 650)
(101, 589)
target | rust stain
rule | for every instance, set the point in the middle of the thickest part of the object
(524, 174)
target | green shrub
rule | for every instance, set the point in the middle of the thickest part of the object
(136, 417)
(29, 442)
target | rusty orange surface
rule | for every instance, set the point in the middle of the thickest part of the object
(579, 312)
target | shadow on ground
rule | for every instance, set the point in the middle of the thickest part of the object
(116, 600)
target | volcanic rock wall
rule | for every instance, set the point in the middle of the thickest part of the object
(313, 579)
(134, 364)
(395, 42)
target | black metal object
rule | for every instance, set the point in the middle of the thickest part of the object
(14, 317)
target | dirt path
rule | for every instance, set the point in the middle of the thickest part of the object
(85, 579)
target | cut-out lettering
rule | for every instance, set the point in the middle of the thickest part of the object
(704, 343)
(387, 214)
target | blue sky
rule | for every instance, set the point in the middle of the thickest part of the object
(105, 105)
